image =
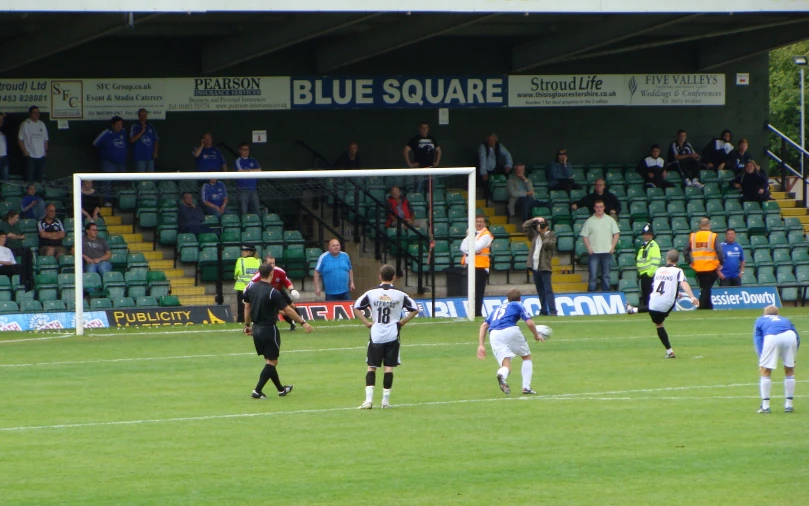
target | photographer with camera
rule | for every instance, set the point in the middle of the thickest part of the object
(543, 245)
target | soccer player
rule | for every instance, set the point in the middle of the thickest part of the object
(665, 286)
(386, 304)
(262, 303)
(774, 337)
(280, 282)
(508, 341)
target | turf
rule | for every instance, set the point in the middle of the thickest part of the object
(163, 416)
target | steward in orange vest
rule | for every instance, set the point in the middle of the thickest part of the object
(482, 252)
(706, 258)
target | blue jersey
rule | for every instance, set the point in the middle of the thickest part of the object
(210, 160)
(246, 164)
(112, 146)
(507, 316)
(734, 256)
(143, 148)
(214, 193)
(770, 325)
(334, 270)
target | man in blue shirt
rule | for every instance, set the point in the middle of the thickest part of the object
(334, 266)
(248, 188)
(215, 198)
(732, 270)
(776, 337)
(209, 158)
(112, 146)
(507, 340)
(144, 139)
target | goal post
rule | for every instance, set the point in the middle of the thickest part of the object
(78, 228)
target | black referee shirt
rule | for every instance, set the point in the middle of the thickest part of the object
(265, 302)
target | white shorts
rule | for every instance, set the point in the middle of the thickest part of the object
(783, 346)
(508, 343)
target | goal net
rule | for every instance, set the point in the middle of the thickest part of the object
(342, 203)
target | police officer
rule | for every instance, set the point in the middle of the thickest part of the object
(647, 262)
(246, 267)
(706, 257)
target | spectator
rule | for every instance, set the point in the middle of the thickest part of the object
(209, 158)
(398, 206)
(482, 252)
(112, 147)
(540, 257)
(145, 140)
(561, 176)
(600, 234)
(248, 188)
(350, 158)
(90, 201)
(653, 170)
(733, 269)
(8, 264)
(706, 257)
(33, 141)
(215, 198)
(95, 251)
(334, 267)
(190, 217)
(32, 205)
(753, 183)
(738, 158)
(493, 158)
(684, 159)
(51, 233)
(717, 151)
(426, 152)
(521, 194)
(3, 151)
(612, 205)
(14, 241)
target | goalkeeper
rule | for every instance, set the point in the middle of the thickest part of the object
(280, 282)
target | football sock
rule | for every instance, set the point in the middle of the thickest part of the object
(664, 337)
(527, 373)
(275, 379)
(369, 393)
(263, 378)
(386, 396)
(370, 378)
(503, 371)
(387, 381)
(766, 387)
(789, 390)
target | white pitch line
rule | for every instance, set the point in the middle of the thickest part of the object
(555, 397)
(316, 350)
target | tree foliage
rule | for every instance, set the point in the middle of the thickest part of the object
(785, 95)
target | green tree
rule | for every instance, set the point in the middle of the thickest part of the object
(785, 96)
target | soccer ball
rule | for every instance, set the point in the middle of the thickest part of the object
(544, 331)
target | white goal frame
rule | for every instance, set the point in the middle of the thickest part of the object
(78, 221)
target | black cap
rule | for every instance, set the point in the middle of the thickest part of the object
(248, 247)
(647, 229)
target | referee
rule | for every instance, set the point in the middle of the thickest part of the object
(262, 303)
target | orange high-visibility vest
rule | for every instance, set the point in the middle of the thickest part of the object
(482, 259)
(703, 254)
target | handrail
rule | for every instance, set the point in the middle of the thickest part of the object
(787, 139)
(776, 159)
(313, 152)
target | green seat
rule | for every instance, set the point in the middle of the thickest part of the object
(123, 303)
(208, 239)
(737, 223)
(751, 208)
(187, 248)
(53, 305)
(797, 239)
(146, 301)
(793, 224)
(734, 207)
(169, 301)
(638, 211)
(208, 266)
(232, 236)
(229, 221)
(800, 257)
(293, 237)
(756, 225)
(269, 219)
(136, 260)
(100, 304)
(273, 238)
(771, 207)
(30, 306)
(92, 284)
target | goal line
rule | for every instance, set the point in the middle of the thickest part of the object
(78, 229)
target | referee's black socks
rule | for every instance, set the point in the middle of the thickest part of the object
(269, 373)
(664, 337)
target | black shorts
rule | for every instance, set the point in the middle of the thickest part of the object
(267, 340)
(386, 354)
(658, 317)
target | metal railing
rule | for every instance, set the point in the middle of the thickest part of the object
(788, 149)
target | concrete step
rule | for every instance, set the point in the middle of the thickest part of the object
(566, 278)
(197, 300)
(119, 229)
(112, 220)
(130, 238)
(188, 290)
(174, 273)
(106, 211)
(497, 220)
(177, 282)
(159, 264)
(778, 195)
(785, 203)
(140, 247)
(793, 211)
(568, 287)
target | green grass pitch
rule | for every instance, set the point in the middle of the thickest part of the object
(164, 417)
